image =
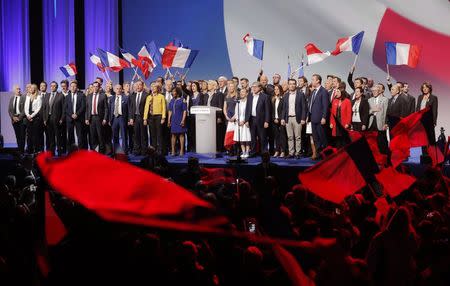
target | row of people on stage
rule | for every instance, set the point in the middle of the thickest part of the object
(289, 119)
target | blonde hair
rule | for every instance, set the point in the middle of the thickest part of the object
(35, 93)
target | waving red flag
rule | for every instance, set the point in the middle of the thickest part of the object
(121, 192)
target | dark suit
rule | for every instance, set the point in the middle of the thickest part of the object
(217, 100)
(318, 109)
(78, 123)
(53, 114)
(256, 123)
(95, 118)
(432, 102)
(136, 112)
(411, 104)
(119, 122)
(363, 111)
(278, 130)
(396, 110)
(19, 126)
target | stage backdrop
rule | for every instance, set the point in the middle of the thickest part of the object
(217, 27)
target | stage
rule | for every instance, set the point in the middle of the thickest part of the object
(287, 169)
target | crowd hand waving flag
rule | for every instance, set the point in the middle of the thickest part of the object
(69, 70)
(255, 47)
(314, 55)
(112, 61)
(96, 61)
(349, 44)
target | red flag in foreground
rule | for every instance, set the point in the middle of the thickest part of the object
(394, 182)
(435, 154)
(415, 130)
(342, 173)
(215, 176)
(54, 228)
(372, 140)
(121, 192)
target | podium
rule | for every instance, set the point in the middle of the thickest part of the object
(205, 128)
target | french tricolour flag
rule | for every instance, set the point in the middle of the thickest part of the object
(402, 54)
(254, 47)
(96, 61)
(349, 44)
(128, 56)
(315, 55)
(112, 61)
(69, 69)
(178, 57)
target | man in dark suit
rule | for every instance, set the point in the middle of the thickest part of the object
(62, 131)
(318, 111)
(17, 114)
(136, 117)
(409, 98)
(43, 94)
(75, 112)
(397, 107)
(257, 116)
(53, 116)
(216, 99)
(118, 117)
(96, 117)
(294, 116)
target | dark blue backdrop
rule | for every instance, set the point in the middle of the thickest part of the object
(198, 24)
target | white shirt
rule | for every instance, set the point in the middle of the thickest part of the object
(292, 96)
(94, 101)
(17, 103)
(277, 103)
(210, 95)
(118, 98)
(355, 109)
(50, 102)
(74, 102)
(168, 97)
(35, 106)
(254, 104)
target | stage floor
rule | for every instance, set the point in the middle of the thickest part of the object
(289, 168)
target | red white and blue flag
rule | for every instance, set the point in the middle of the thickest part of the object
(96, 61)
(314, 55)
(112, 61)
(128, 56)
(146, 59)
(178, 57)
(255, 47)
(349, 44)
(402, 54)
(69, 69)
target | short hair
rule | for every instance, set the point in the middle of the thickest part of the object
(342, 85)
(359, 79)
(364, 79)
(303, 77)
(74, 81)
(95, 83)
(257, 83)
(292, 79)
(329, 76)
(44, 82)
(244, 79)
(382, 86)
(222, 78)
(360, 89)
(337, 78)
(319, 78)
(101, 79)
(400, 84)
(235, 78)
(161, 78)
(126, 82)
(65, 81)
(54, 83)
(427, 84)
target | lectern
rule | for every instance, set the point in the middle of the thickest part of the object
(205, 128)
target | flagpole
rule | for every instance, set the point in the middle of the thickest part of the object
(387, 68)
(107, 74)
(356, 58)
